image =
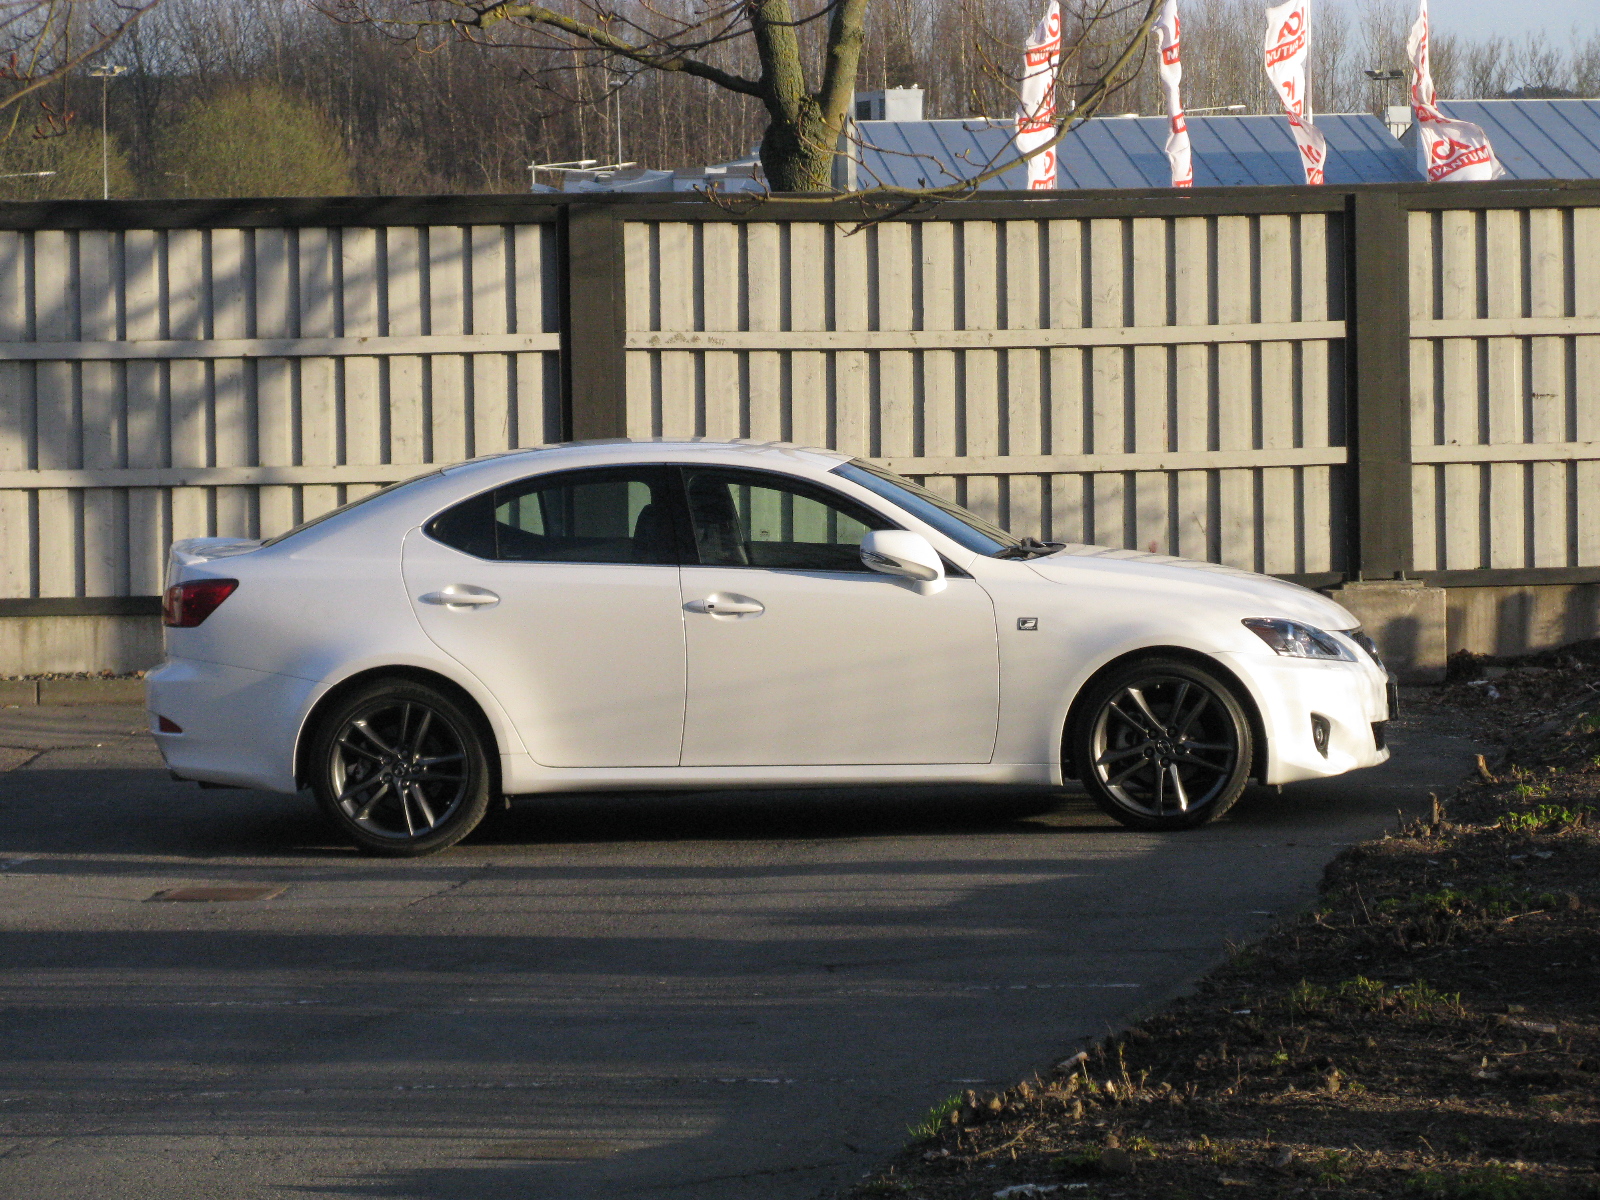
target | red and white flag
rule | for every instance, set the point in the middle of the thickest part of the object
(1288, 47)
(1447, 151)
(1036, 108)
(1166, 32)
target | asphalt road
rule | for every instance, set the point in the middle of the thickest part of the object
(710, 997)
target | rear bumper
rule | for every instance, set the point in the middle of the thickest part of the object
(1352, 697)
(239, 726)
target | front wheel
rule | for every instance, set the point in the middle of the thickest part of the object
(401, 768)
(1162, 745)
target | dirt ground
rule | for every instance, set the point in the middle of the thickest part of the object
(1430, 1029)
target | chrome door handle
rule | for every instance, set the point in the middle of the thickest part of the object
(461, 595)
(726, 604)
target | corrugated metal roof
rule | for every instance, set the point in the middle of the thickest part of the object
(1126, 152)
(1536, 139)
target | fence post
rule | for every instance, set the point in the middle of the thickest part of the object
(1379, 345)
(593, 323)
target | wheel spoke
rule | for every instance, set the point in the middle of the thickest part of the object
(370, 736)
(422, 731)
(1115, 780)
(1200, 762)
(1161, 789)
(1177, 787)
(365, 810)
(1134, 719)
(1111, 756)
(1199, 707)
(355, 789)
(346, 744)
(1144, 706)
(405, 809)
(1187, 745)
(422, 803)
(439, 758)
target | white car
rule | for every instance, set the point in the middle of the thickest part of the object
(657, 615)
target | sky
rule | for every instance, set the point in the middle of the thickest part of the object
(1513, 18)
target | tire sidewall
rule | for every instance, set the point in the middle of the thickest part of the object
(478, 764)
(1081, 739)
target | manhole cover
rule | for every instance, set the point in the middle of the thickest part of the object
(550, 1150)
(204, 892)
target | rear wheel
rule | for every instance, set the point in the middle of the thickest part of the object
(401, 768)
(1163, 744)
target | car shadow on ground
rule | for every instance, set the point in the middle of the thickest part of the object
(140, 812)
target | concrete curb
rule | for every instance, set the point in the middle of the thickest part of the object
(31, 693)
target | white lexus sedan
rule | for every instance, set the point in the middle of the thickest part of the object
(695, 615)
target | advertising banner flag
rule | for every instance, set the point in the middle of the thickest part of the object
(1288, 48)
(1036, 108)
(1166, 32)
(1447, 151)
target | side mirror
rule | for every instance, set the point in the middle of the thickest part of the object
(906, 554)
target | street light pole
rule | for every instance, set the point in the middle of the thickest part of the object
(105, 75)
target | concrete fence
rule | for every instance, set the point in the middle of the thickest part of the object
(1333, 385)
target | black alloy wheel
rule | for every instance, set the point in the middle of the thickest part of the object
(402, 769)
(1163, 745)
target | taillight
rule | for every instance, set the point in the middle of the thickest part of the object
(187, 604)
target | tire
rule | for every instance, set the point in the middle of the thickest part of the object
(1162, 744)
(401, 768)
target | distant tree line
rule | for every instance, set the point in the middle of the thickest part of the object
(272, 97)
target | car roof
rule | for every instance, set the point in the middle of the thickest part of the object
(624, 450)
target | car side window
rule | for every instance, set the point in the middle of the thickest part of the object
(611, 515)
(755, 519)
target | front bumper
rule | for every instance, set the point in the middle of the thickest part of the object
(239, 726)
(1352, 697)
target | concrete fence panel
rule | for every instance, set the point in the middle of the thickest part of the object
(1163, 383)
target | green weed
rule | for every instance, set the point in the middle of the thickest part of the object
(936, 1119)
(1490, 901)
(1493, 1182)
(1331, 1169)
(1373, 996)
(1086, 1159)
(1545, 818)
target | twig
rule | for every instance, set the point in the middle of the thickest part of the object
(1021, 1133)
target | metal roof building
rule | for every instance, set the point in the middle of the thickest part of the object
(1126, 152)
(1535, 139)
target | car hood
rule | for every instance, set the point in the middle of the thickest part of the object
(1204, 582)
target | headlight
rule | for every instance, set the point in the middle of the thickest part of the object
(1294, 640)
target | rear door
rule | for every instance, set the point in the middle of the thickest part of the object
(561, 594)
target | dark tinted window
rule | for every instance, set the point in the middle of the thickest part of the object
(614, 515)
(753, 519)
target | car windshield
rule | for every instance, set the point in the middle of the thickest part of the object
(955, 522)
(343, 508)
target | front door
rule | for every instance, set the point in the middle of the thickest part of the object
(561, 594)
(799, 655)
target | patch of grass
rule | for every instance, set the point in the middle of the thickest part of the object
(935, 1119)
(883, 1186)
(1493, 1182)
(1493, 900)
(1086, 1159)
(1331, 1169)
(1545, 818)
(1373, 996)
